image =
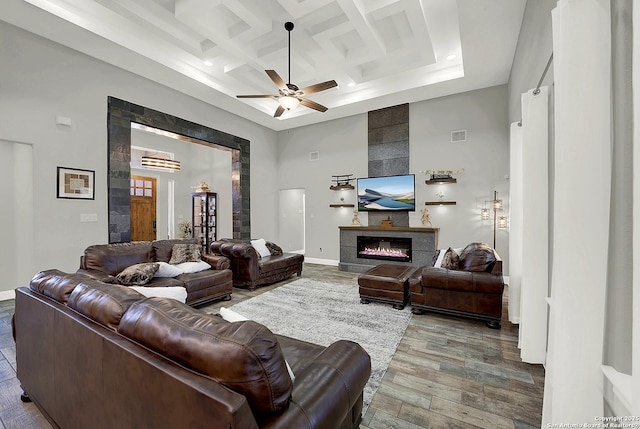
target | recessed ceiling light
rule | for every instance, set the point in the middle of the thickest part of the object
(208, 63)
(451, 57)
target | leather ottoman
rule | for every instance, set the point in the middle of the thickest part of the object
(386, 283)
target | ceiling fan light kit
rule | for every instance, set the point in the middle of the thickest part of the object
(288, 102)
(289, 95)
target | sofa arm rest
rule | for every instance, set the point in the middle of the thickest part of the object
(338, 375)
(217, 262)
(98, 275)
(234, 249)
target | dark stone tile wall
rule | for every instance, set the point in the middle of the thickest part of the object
(388, 137)
(119, 117)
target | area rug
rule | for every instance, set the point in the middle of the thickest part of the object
(323, 312)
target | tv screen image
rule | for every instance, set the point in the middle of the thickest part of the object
(389, 193)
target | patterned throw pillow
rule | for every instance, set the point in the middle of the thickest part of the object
(138, 274)
(451, 260)
(185, 253)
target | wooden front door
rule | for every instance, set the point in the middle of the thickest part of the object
(143, 208)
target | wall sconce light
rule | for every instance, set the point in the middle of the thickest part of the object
(160, 163)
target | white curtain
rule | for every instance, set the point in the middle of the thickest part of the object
(515, 221)
(582, 180)
(534, 244)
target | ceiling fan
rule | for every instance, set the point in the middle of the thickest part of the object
(289, 95)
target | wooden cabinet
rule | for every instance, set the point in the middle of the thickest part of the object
(204, 207)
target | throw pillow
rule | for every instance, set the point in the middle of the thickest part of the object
(168, 270)
(175, 292)
(193, 267)
(185, 253)
(450, 260)
(232, 316)
(261, 247)
(138, 274)
(438, 257)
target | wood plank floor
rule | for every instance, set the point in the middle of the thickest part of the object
(447, 373)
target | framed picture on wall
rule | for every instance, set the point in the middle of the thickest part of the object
(76, 184)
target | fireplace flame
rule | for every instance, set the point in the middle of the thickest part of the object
(385, 251)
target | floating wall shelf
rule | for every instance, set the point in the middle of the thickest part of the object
(341, 187)
(441, 181)
(440, 203)
(341, 205)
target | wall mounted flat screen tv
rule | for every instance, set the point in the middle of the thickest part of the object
(388, 193)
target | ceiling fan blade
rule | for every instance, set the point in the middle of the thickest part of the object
(279, 111)
(257, 96)
(275, 77)
(312, 104)
(318, 87)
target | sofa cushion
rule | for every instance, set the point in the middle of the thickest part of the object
(55, 284)
(163, 248)
(103, 303)
(477, 257)
(231, 316)
(244, 356)
(115, 257)
(185, 253)
(138, 274)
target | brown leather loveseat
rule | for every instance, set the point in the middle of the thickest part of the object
(104, 262)
(471, 285)
(96, 355)
(252, 270)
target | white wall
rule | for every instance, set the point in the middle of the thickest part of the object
(42, 80)
(484, 157)
(343, 149)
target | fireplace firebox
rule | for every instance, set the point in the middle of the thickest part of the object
(385, 248)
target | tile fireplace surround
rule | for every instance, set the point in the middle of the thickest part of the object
(424, 243)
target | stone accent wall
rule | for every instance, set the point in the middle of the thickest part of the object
(424, 240)
(119, 117)
(389, 152)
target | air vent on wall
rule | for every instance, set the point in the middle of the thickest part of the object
(458, 136)
(314, 156)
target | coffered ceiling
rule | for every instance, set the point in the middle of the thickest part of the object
(380, 52)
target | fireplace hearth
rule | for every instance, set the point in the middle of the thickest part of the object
(385, 248)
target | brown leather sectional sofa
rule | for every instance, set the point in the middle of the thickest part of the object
(103, 262)
(473, 289)
(250, 270)
(98, 355)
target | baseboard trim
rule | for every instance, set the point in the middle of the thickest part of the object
(7, 294)
(319, 261)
